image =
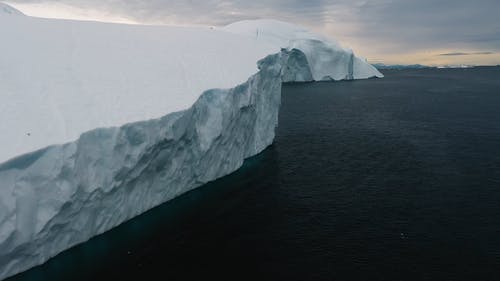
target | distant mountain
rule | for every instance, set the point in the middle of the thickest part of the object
(381, 66)
(457, 66)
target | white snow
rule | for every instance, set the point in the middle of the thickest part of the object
(60, 78)
(8, 10)
(326, 58)
(103, 75)
(146, 113)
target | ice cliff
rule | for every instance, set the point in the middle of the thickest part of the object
(102, 122)
(324, 57)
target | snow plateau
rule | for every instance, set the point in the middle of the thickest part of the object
(101, 122)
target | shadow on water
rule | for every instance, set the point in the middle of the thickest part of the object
(124, 251)
(386, 179)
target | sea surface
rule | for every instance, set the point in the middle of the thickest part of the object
(383, 179)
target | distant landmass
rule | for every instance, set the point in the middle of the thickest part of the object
(457, 66)
(381, 66)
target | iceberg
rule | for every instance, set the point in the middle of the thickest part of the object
(102, 122)
(324, 57)
(6, 9)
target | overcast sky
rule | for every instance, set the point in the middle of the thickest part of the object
(389, 31)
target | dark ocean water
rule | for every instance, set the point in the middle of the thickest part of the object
(387, 179)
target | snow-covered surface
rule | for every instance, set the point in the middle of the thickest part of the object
(63, 195)
(60, 78)
(103, 75)
(160, 110)
(326, 58)
(8, 10)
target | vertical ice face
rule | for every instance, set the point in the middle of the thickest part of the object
(296, 68)
(59, 78)
(62, 195)
(326, 58)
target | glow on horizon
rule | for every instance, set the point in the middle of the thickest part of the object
(342, 31)
(433, 57)
(63, 11)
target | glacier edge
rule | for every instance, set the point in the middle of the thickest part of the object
(110, 175)
(63, 195)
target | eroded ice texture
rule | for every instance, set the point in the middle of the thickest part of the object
(146, 113)
(325, 57)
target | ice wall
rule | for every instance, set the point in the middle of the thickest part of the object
(326, 58)
(63, 195)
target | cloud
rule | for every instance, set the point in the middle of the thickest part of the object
(214, 12)
(466, 54)
(372, 27)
